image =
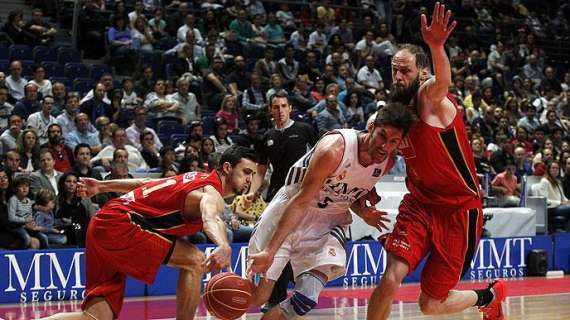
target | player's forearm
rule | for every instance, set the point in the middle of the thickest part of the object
(215, 229)
(442, 70)
(291, 217)
(122, 185)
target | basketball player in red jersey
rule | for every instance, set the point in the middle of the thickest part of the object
(442, 214)
(136, 233)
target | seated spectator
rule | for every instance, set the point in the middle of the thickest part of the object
(73, 210)
(29, 150)
(16, 29)
(137, 12)
(189, 26)
(331, 117)
(82, 167)
(145, 84)
(221, 138)
(242, 27)
(248, 211)
(82, 134)
(96, 106)
(30, 103)
(105, 129)
(317, 39)
(522, 163)
(67, 118)
(189, 109)
(41, 120)
(228, 112)
(20, 215)
(238, 79)
(120, 39)
(7, 240)
(214, 86)
(207, 148)
(59, 94)
(139, 125)
(149, 150)
(276, 85)
(44, 85)
(118, 171)
(168, 160)
(551, 188)
(12, 163)
(275, 34)
(9, 137)
(61, 153)
(45, 220)
(142, 35)
(249, 137)
(505, 186)
(43, 31)
(355, 110)
(288, 67)
(46, 177)
(104, 157)
(158, 104)
(191, 160)
(6, 108)
(266, 66)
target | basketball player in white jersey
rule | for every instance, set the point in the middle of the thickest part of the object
(306, 220)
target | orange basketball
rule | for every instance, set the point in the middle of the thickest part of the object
(227, 295)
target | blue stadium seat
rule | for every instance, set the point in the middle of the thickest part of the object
(20, 52)
(170, 71)
(209, 125)
(169, 58)
(97, 70)
(83, 85)
(164, 138)
(65, 55)
(5, 66)
(53, 69)
(177, 138)
(66, 81)
(4, 51)
(169, 127)
(28, 68)
(44, 54)
(76, 70)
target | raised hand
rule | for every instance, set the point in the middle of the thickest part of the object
(437, 33)
(87, 187)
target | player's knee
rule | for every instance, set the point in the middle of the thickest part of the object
(197, 259)
(298, 305)
(393, 278)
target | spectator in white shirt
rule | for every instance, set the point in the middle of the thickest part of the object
(368, 76)
(181, 33)
(139, 126)
(15, 82)
(317, 39)
(41, 120)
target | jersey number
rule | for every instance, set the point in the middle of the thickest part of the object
(146, 192)
(323, 204)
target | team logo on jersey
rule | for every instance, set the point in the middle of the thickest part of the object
(332, 252)
(377, 172)
(407, 148)
(269, 143)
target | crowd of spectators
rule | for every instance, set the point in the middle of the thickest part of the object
(220, 64)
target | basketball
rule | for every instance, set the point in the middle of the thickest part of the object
(227, 295)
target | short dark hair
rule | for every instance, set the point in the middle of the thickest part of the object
(395, 114)
(20, 180)
(79, 146)
(44, 196)
(279, 94)
(234, 154)
(422, 59)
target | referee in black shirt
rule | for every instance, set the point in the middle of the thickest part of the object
(281, 147)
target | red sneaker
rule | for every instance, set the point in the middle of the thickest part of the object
(494, 310)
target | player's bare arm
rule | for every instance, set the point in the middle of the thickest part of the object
(88, 187)
(211, 206)
(328, 155)
(433, 92)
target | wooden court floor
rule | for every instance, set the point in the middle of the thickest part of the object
(529, 299)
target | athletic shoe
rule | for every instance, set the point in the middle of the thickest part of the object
(494, 310)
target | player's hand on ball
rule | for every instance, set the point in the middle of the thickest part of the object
(259, 263)
(219, 259)
(87, 187)
(375, 218)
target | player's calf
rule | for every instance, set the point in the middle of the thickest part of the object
(307, 290)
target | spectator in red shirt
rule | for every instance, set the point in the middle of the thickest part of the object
(505, 186)
(62, 154)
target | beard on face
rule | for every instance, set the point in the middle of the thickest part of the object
(405, 95)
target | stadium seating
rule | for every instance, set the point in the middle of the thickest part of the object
(20, 52)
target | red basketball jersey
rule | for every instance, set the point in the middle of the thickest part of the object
(439, 164)
(158, 205)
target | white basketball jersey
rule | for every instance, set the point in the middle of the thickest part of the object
(349, 182)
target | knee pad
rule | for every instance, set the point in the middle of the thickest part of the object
(305, 297)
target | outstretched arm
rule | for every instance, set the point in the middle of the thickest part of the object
(435, 36)
(211, 208)
(324, 162)
(89, 187)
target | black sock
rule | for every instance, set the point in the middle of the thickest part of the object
(484, 297)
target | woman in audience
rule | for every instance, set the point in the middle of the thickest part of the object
(168, 160)
(158, 104)
(355, 111)
(143, 35)
(73, 211)
(7, 240)
(44, 85)
(207, 148)
(550, 187)
(318, 91)
(29, 150)
(220, 137)
(229, 113)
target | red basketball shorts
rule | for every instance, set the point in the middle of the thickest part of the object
(449, 235)
(117, 248)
